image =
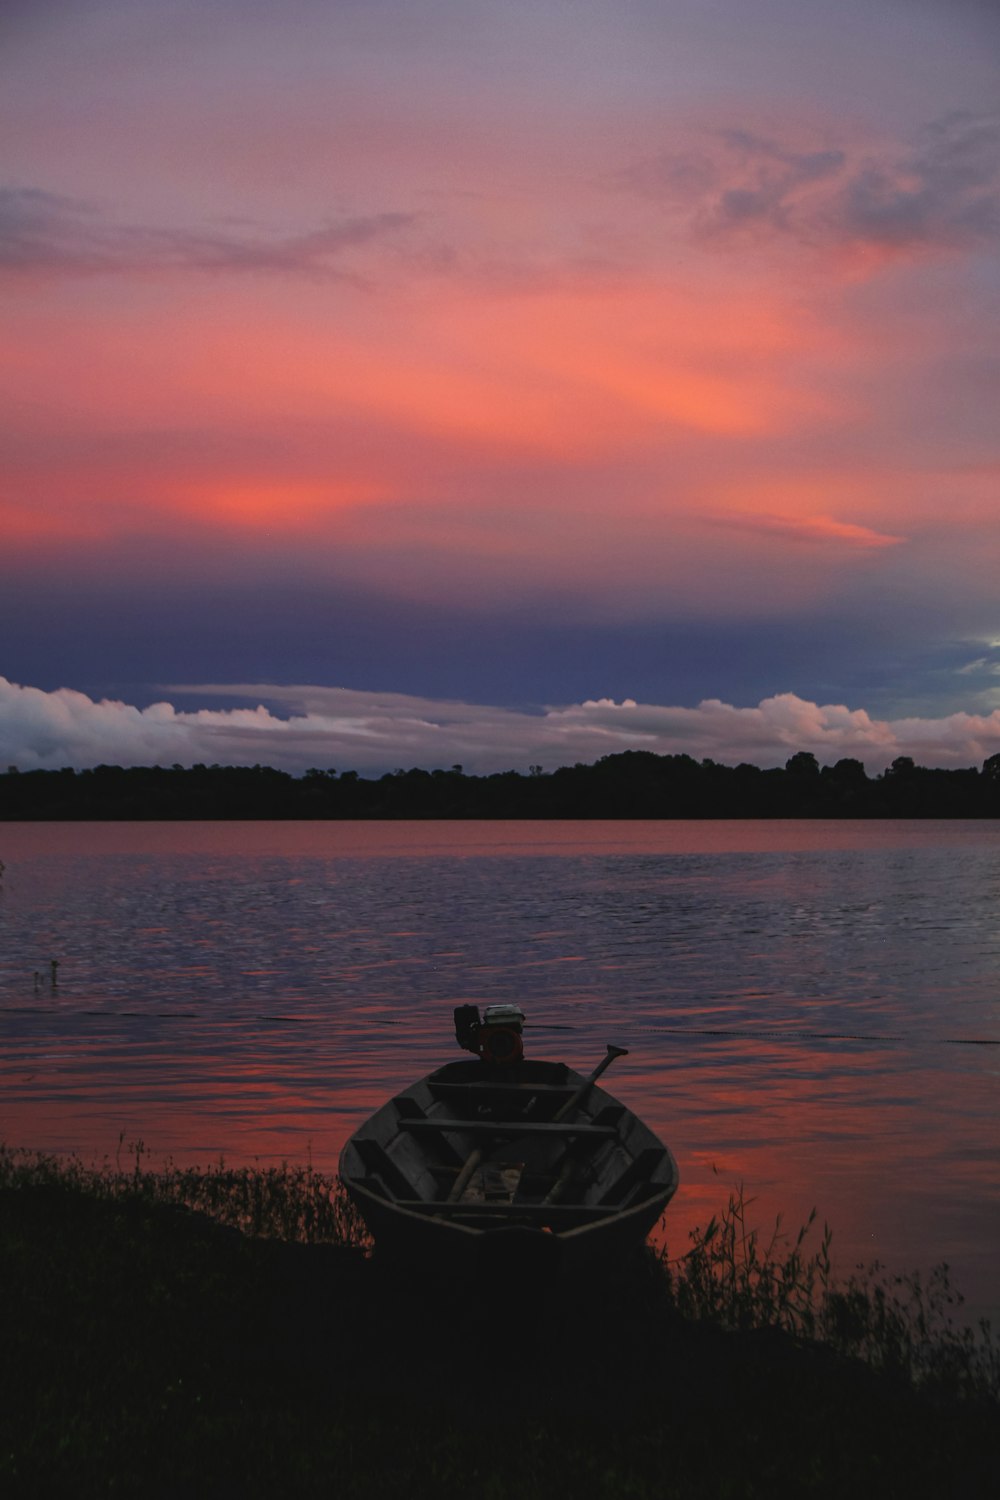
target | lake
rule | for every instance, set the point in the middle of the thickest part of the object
(812, 1008)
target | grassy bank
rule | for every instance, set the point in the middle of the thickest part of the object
(172, 1333)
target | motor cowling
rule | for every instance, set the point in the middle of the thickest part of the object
(467, 1024)
(496, 1036)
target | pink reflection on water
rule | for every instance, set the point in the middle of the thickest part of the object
(479, 837)
(879, 1138)
(795, 1132)
(874, 1144)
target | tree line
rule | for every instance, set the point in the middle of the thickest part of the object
(630, 784)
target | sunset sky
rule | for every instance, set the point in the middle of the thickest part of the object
(398, 382)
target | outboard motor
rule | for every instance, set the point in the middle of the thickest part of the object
(496, 1036)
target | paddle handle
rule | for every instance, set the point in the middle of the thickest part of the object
(462, 1180)
(583, 1090)
(570, 1163)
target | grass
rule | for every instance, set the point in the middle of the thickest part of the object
(288, 1203)
(902, 1325)
(224, 1331)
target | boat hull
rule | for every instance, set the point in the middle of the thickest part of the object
(540, 1185)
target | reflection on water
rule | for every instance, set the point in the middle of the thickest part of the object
(807, 1004)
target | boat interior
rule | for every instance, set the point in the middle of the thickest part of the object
(478, 1144)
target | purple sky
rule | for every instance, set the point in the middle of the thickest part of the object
(499, 384)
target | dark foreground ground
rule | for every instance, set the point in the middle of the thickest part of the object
(148, 1352)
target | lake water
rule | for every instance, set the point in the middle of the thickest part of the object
(813, 1009)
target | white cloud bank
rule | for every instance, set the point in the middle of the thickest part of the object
(375, 732)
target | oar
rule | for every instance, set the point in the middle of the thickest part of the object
(569, 1165)
(462, 1180)
(581, 1093)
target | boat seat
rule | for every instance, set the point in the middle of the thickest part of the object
(511, 1213)
(498, 1086)
(510, 1127)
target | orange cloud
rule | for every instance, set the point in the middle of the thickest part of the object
(581, 424)
(290, 506)
(812, 529)
(587, 368)
(22, 524)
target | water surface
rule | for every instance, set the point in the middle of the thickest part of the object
(812, 1008)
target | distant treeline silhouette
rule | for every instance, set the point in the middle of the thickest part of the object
(631, 784)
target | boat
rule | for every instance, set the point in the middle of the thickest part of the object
(509, 1155)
